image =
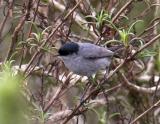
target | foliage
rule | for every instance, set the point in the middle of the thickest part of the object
(37, 88)
(12, 107)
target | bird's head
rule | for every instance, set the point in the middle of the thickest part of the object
(68, 49)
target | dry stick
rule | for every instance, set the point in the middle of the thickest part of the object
(112, 73)
(132, 86)
(121, 10)
(142, 14)
(144, 46)
(56, 96)
(78, 19)
(155, 93)
(5, 19)
(77, 108)
(81, 103)
(113, 20)
(17, 29)
(113, 88)
(32, 25)
(147, 111)
(63, 114)
(148, 29)
(50, 36)
(33, 67)
(115, 70)
(109, 76)
(132, 56)
(30, 29)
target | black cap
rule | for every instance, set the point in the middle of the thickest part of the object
(68, 49)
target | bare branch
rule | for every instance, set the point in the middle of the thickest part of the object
(132, 86)
(50, 36)
(121, 11)
(147, 111)
(17, 30)
(2, 25)
(78, 19)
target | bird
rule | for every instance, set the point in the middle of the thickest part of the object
(85, 59)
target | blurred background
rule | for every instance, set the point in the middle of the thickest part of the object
(35, 86)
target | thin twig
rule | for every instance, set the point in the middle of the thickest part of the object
(35, 14)
(132, 86)
(145, 46)
(17, 30)
(2, 25)
(147, 111)
(50, 36)
(121, 10)
(78, 19)
(56, 96)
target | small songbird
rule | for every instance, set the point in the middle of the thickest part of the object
(85, 58)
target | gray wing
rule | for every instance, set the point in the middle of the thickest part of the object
(88, 50)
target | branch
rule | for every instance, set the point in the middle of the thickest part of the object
(60, 115)
(2, 25)
(133, 55)
(85, 99)
(17, 29)
(132, 86)
(50, 36)
(78, 19)
(121, 10)
(147, 111)
(145, 46)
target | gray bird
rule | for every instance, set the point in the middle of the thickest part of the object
(85, 58)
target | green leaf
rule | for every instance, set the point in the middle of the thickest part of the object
(113, 115)
(147, 53)
(130, 28)
(158, 60)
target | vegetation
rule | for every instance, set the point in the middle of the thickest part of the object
(35, 86)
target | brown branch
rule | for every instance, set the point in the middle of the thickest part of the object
(109, 76)
(50, 36)
(144, 13)
(30, 28)
(116, 69)
(121, 10)
(156, 22)
(78, 19)
(144, 46)
(2, 25)
(17, 30)
(113, 88)
(85, 99)
(52, 100)
(67, 84)
(132, 86)
(77, 108)
(60, 115)
(147, 111)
